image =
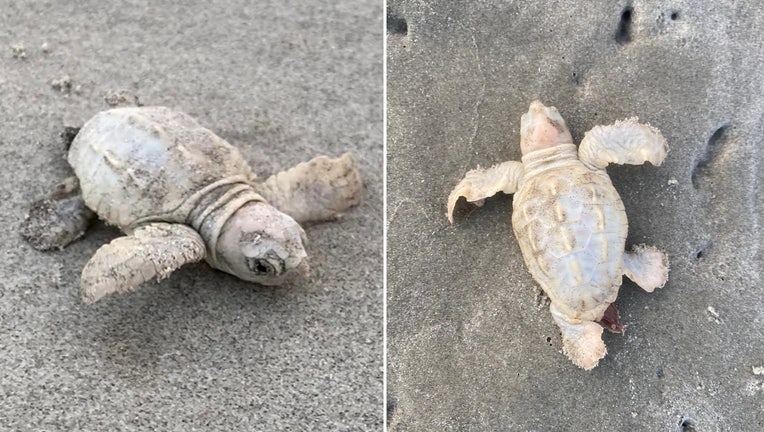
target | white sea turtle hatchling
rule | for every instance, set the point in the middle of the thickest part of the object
(183, 194)
(570, 222)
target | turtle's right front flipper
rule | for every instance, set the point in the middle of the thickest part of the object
(479, 184)
(152, 251)
(624, 142)
(58, 219)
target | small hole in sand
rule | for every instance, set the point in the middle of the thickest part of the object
(396, 25)
(392, 406)
(623, 34)
(686, 424)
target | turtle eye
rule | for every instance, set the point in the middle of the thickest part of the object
(260, 266)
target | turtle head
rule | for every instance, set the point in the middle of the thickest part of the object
(260, 244)
(542, 127)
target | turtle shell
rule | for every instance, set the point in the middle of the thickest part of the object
(571, 226)
(150, 163)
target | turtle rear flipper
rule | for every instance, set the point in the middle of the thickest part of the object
(581, 340)
(647, 266)
(152, 251)
(58, 219)
(315, 191)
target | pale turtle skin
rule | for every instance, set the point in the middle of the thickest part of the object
(570, 221)
(182, 194)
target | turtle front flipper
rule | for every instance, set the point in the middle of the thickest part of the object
(315, 191)
(479, 184)
(58, 219)
(647, 266)
(625, 142)
(152, 251)
(581, 340)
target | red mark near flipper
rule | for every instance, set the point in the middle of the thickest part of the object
(610, 320)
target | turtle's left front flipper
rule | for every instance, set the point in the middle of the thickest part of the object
(625, 142)
(479, 184)
(315, 191)
(152, 251)
(58, 219)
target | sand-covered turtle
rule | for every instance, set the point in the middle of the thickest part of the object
(183, 194)
(570, 221)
